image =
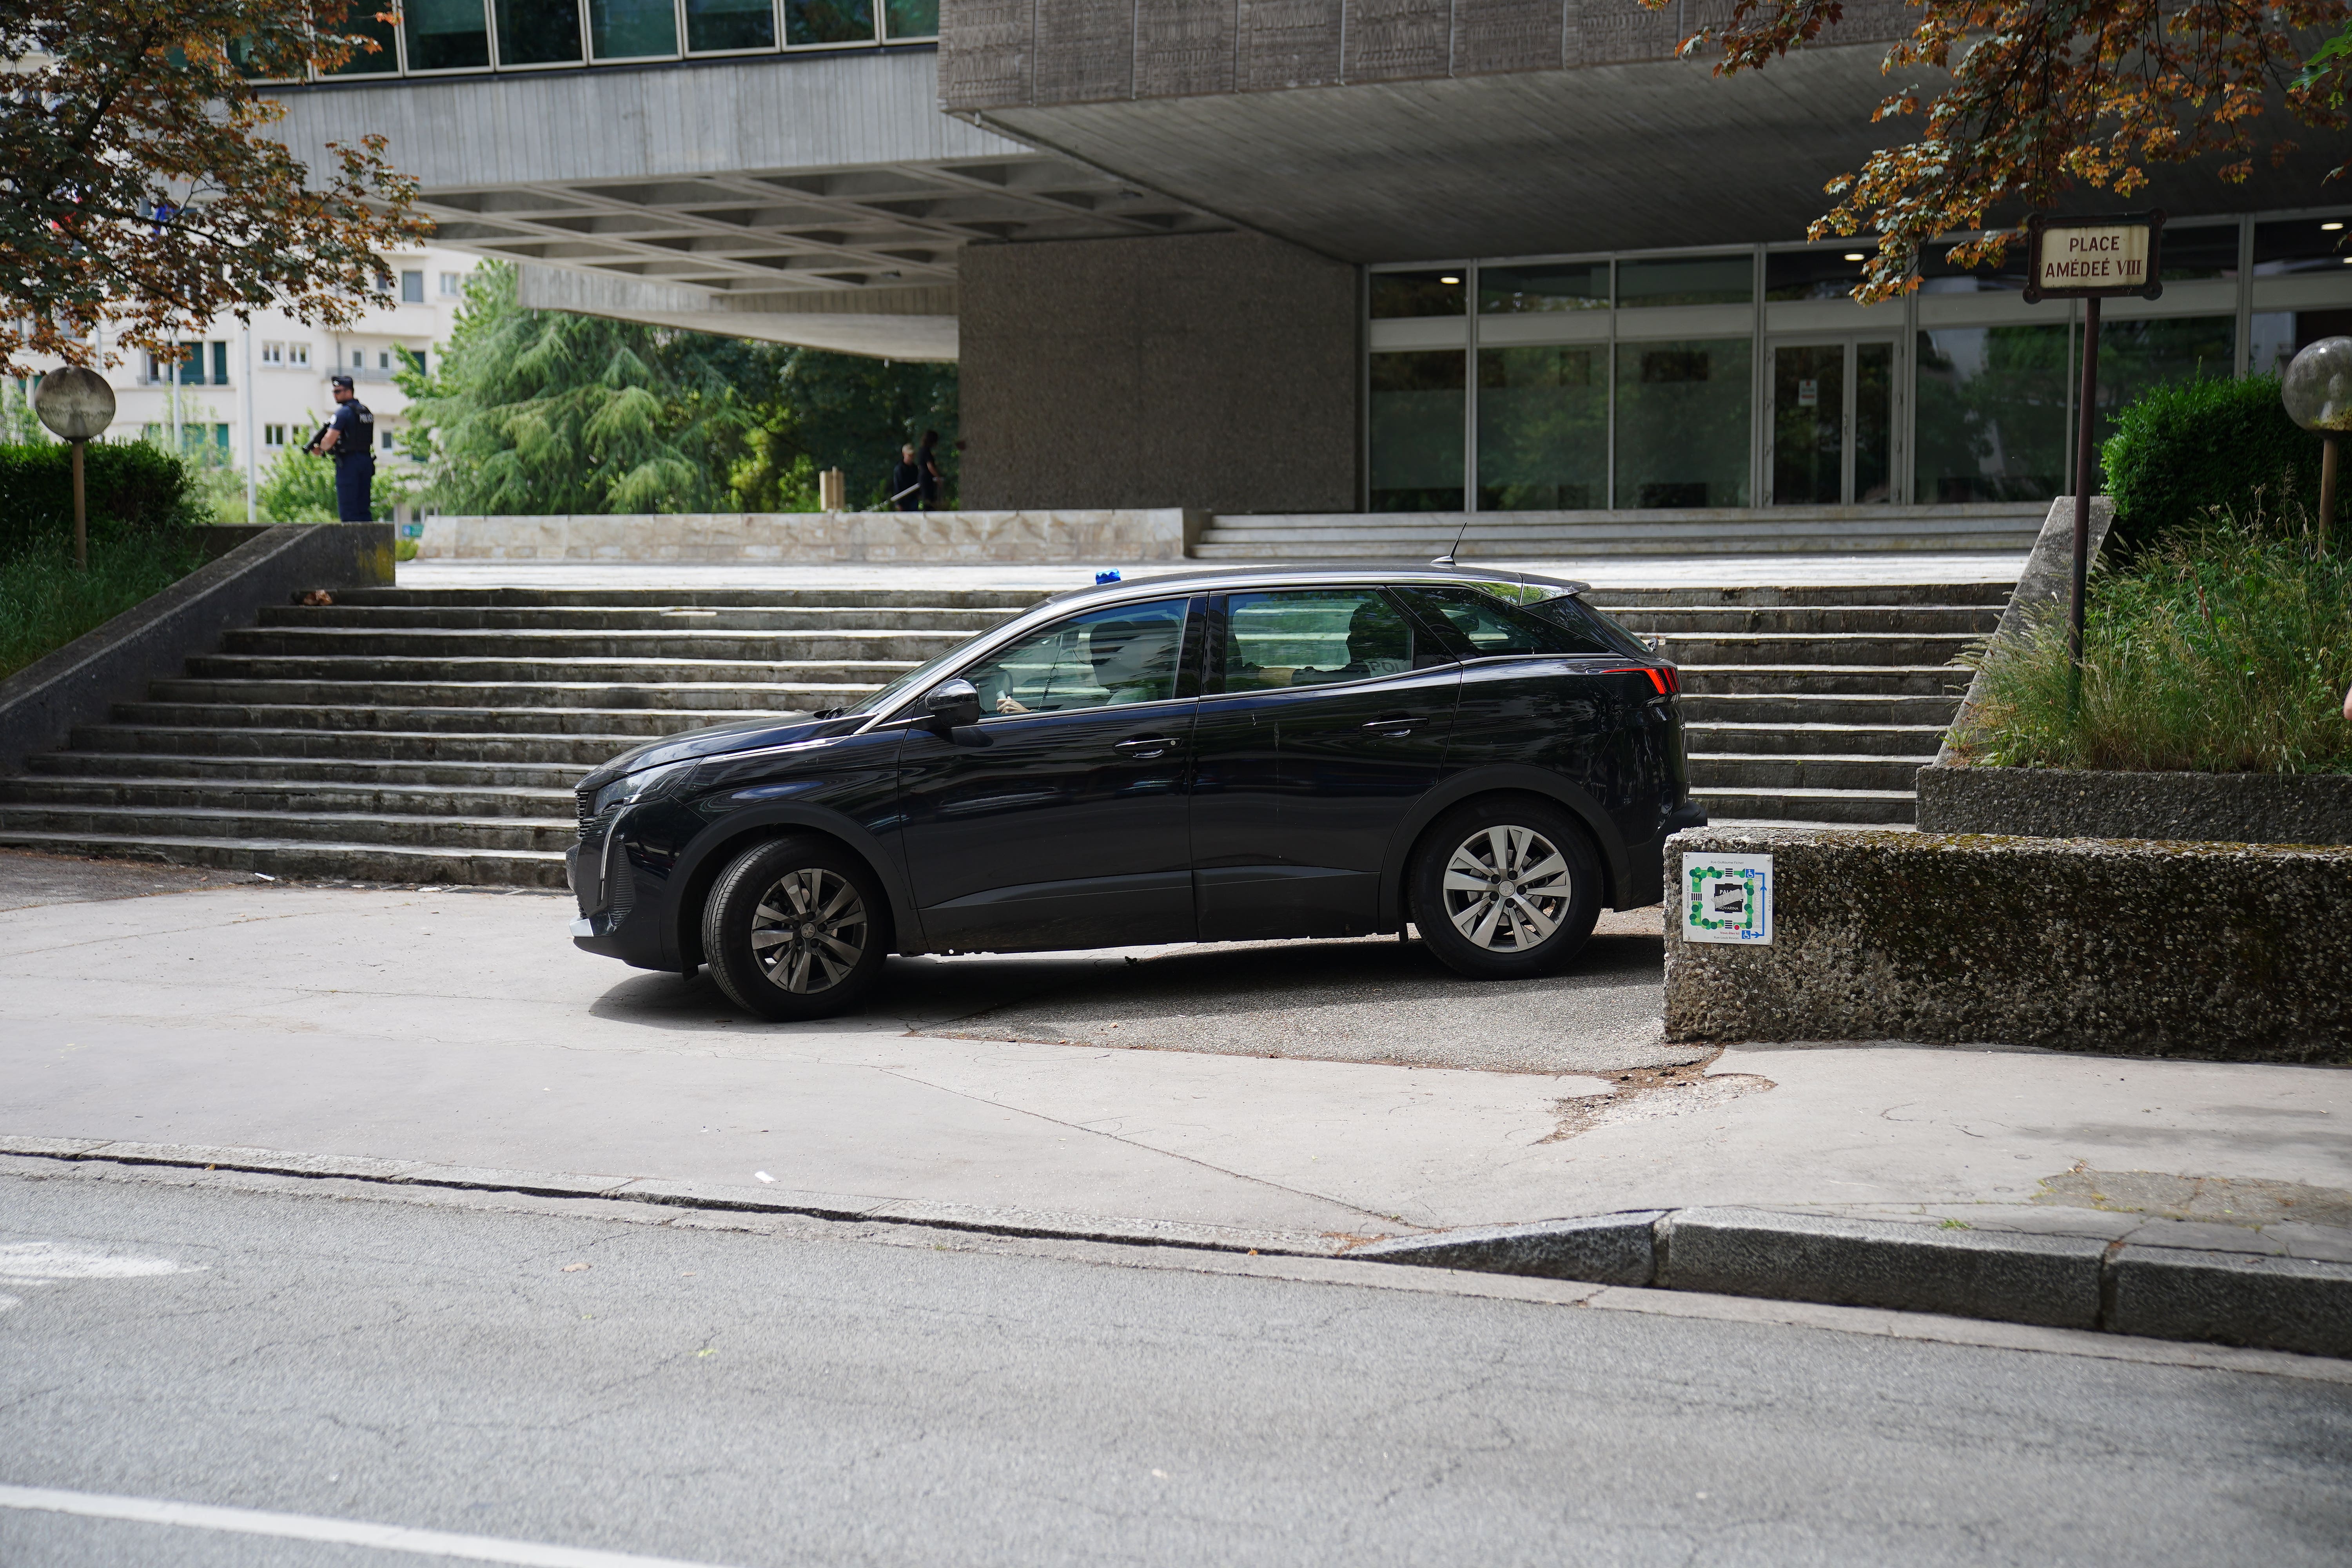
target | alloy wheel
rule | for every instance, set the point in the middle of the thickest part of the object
(809, 930)
(1507, 887)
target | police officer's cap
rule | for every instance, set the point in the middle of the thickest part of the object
(343, 381)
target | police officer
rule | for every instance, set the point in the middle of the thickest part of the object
(349, 438)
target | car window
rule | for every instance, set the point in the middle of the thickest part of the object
(1484, 627)
(1310, 636)
(1577, 615)
(1104, 659)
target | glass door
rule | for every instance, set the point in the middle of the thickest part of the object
(1833, 422)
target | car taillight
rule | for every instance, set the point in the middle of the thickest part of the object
(1665, 680)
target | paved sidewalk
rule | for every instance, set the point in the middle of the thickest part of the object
(461, 1028)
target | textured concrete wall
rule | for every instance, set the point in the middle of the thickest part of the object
(1201, 371)
(1103, 538)
(2059, 802)
(2214, 951)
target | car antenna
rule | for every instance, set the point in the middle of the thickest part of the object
(1447, 559)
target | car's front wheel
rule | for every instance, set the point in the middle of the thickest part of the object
(796, 928)
(1507, 889)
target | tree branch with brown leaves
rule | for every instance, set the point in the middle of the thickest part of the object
(2050, 100)
(140, 191)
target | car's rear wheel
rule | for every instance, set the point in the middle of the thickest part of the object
(1505, 889)
(796, 928)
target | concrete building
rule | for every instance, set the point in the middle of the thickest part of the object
(276, 368)
(1308, 256)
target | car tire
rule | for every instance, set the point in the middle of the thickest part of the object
(1504, 888)
(785, 969)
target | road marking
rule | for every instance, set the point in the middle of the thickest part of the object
(338, 1532)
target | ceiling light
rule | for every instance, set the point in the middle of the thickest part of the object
(1449, 278)
(1856, 255)
(2331, 227)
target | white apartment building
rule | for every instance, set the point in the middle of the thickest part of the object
(284, 365)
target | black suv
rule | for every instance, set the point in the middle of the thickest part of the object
(1206, 756)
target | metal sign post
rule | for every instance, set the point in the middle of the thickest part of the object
(2090, 259)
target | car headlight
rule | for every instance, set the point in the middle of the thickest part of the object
(648, 784)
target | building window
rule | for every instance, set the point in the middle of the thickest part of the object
(273, 435)
(721, 25)
(383, 358)
(908, 18)
(638, 29)
(387, 440)
(539, 32)
(359, 360)
(1416, 435)
(446, 34)
(1992, 405)
(273, 353)
(298, 354)
(220, 367)
(1654, 281)
(380, 52)
(1405, 294)
(411, 288)
(451, 284)
(1516, 291)
(1683, 420)
(1543, 427)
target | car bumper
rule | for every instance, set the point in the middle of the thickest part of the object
(1645, 864)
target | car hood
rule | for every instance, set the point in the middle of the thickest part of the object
(712, 741)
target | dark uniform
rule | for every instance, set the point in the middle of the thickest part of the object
(355, 454)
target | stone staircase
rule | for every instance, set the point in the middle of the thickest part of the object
(423, 736)
(1570, 536)
(1813, 705)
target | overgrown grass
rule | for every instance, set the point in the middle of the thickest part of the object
(46, 602)
(2224, 649)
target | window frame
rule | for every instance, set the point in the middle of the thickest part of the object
(1219, 637)
(1187, 665)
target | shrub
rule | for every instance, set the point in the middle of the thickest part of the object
(45, 601)
(2179, 451)
(131, 486)
(2220, 649)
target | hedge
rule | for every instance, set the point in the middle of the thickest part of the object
(130, 487)
(2179, 451)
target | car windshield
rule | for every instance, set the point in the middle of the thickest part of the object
(915, 679)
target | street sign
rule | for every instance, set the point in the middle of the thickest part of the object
(2094, 257)
(1728, 898)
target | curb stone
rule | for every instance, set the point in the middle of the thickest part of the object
(2058, 1281)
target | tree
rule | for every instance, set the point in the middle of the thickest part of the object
(140, 190)
(819, 410)
(2047, 96)
(543, 411)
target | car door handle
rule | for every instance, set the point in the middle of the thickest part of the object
(1394, 724)
(1144, 746)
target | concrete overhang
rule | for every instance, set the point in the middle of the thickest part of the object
(820, 199)
(1379, 131)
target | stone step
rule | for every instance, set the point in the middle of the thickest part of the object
(1972, 622)
(355, 770)
(253, 794)
(467, 747)
(543, 835)
(681, 673)
(502, 697)
(627, 725)
(1812, 739)
(1993, 593)
(1004, 599)
(945, 624)
(1842, 648)
(1713, 771)
(1856, 806)
(1826, 679)
(393, 642)
(309, 860)
(1838, 709)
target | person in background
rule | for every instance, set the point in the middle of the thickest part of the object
(350, 439)
(935, 478)
(907, 482)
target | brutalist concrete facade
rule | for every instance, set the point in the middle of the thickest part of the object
(1216, 371)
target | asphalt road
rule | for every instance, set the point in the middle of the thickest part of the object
(839, 1395)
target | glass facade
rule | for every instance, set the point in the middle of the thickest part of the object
(433, 36)
(1751, 378)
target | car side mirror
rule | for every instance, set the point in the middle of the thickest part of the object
(951, 704)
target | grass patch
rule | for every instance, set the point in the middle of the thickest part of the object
(2221, 648)
(46, 602)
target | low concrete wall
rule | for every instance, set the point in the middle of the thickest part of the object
(2215, 951)
(2057, 803)
(1110, 537)
(40, 704)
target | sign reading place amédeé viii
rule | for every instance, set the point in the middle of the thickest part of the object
(2079, 258)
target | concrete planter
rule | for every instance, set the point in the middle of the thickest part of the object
(2214, 951)
(2056, 803)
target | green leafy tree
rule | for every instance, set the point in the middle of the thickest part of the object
(818, 410)
(542, 411)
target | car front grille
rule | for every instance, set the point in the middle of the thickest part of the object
(584, 802)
